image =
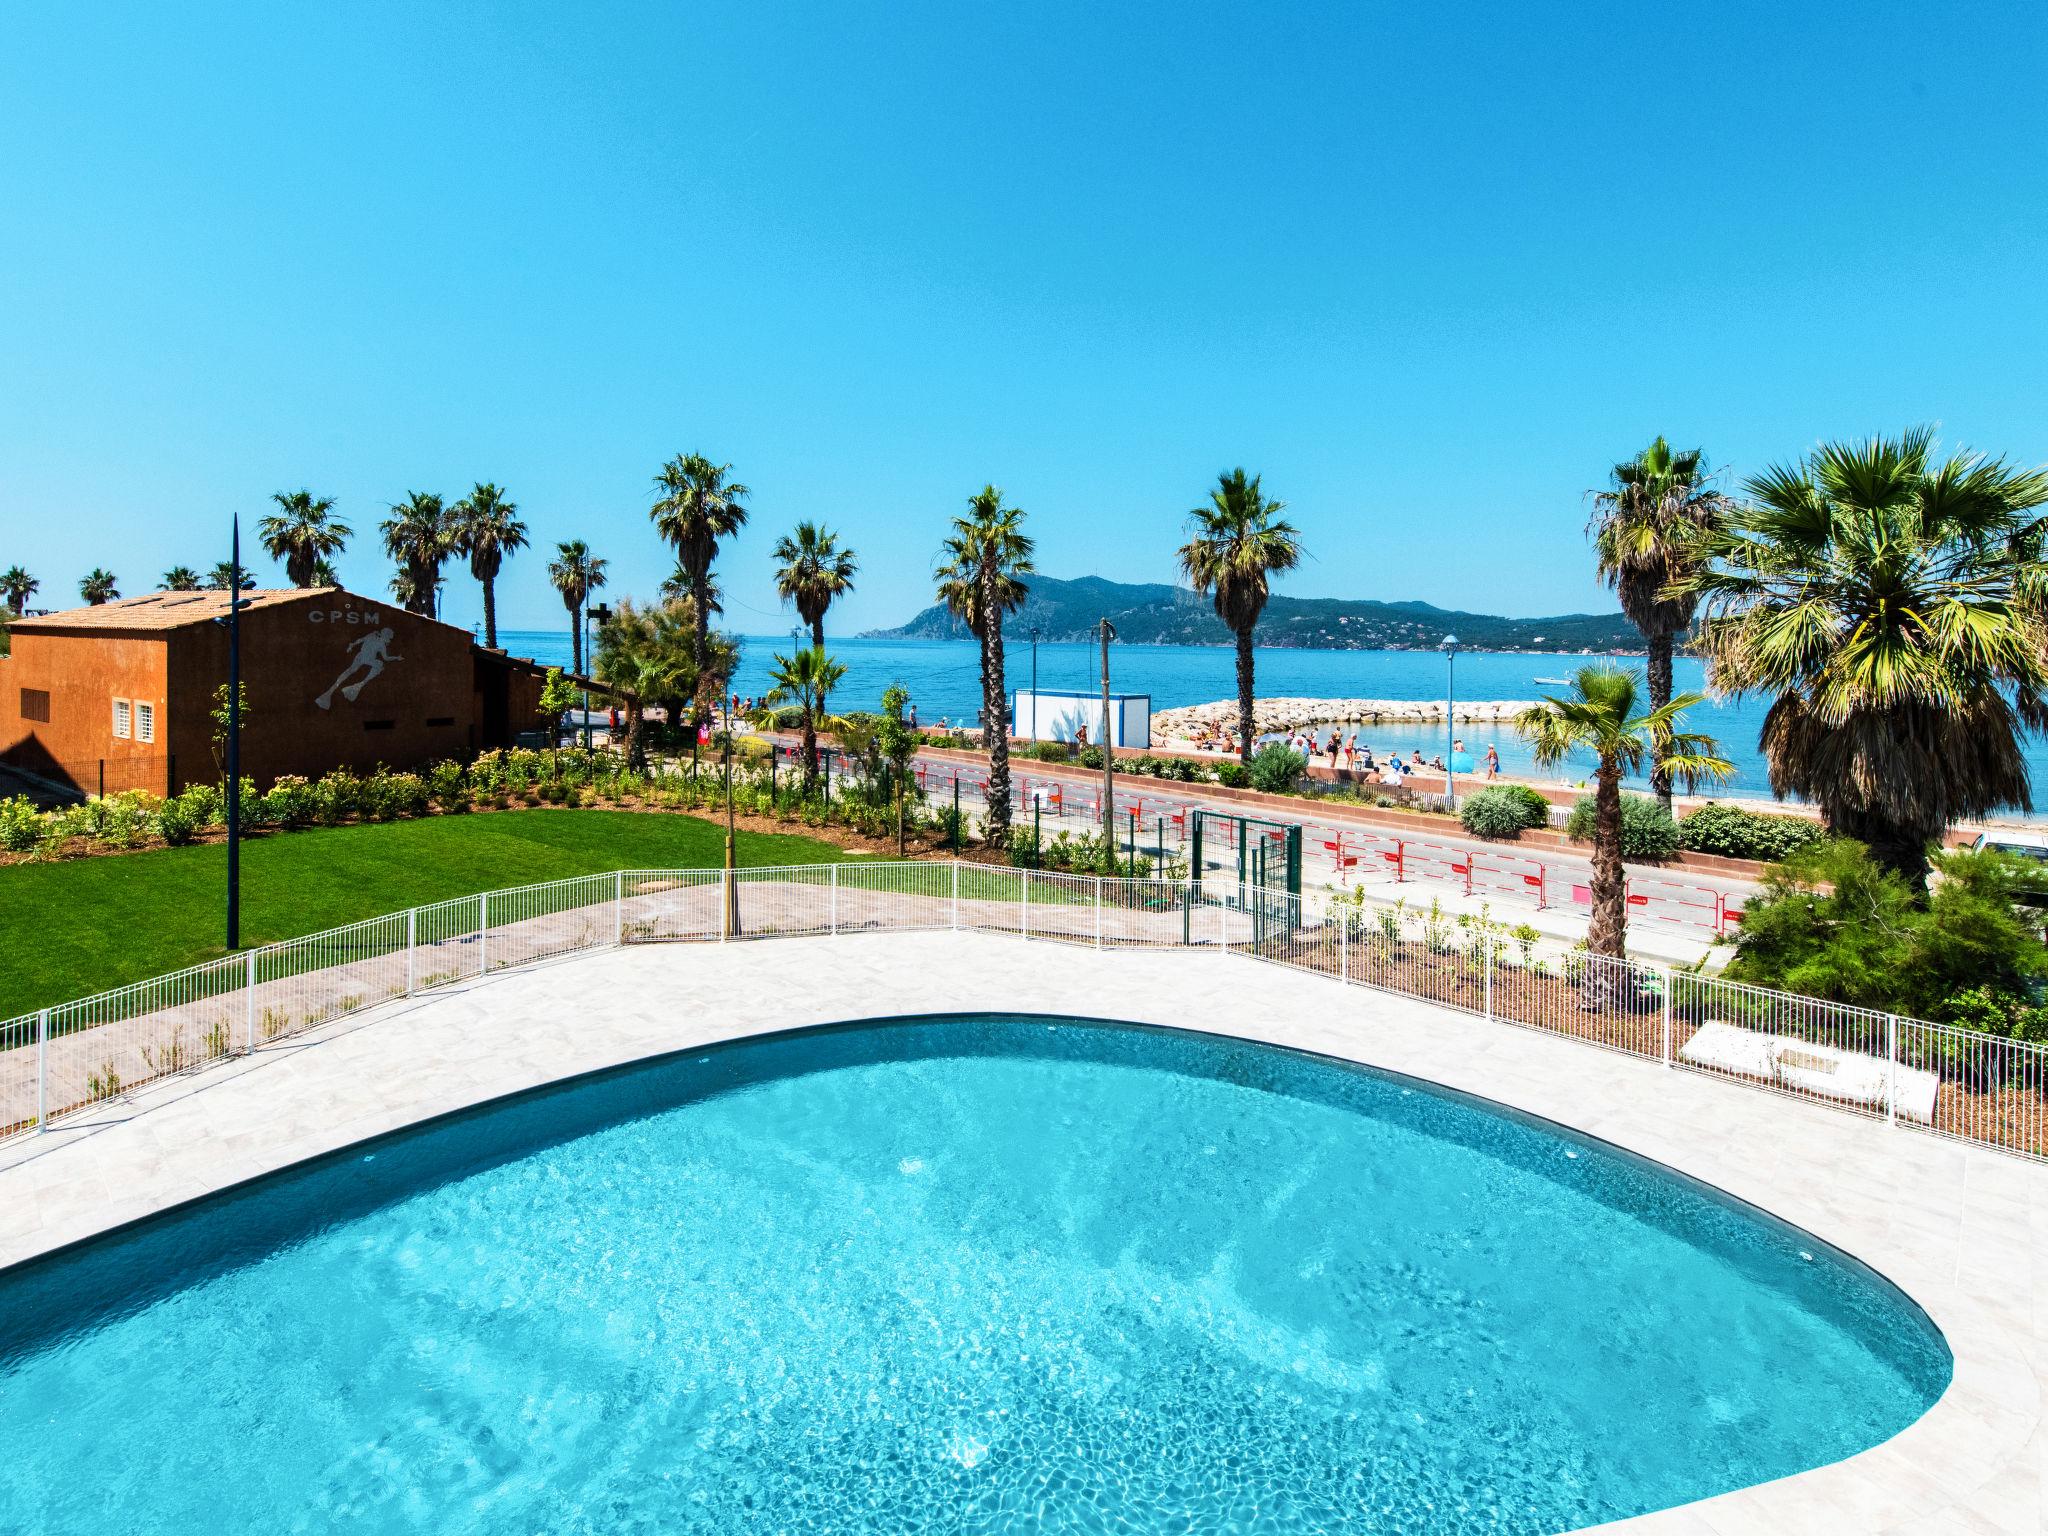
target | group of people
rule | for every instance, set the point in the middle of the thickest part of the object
(1344, 752)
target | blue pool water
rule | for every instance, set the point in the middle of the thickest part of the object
(965, 1275)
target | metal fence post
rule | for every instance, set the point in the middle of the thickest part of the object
(618, 908)
(1098, 911)
(832, 908)
(483, 934)
(1490, 946)
(249, 1001)
(412, 944)
(1024, 906)
(956, 888)
(1343, 949)
(1667, 1016)
(43, 1070)
(1891, 1069)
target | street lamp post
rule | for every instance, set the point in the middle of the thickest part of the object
(1108, 755)
(1034, 682)
(1450, 649)
(234, 752)
(598, 616)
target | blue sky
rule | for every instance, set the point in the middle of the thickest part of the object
(1429, 269)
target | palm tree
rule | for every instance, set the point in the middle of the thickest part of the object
(814, 571)
(1896, 608)
(98, 586)
(980, 578)
(223, 573)
(181, 578)
(17, 586)
(1237, 544)
(323, 574)
(697, 506)
(418, 536)
(807, 680)
(1646, 531)
(576, 573)
(485, 526)
(1600, 716)
(303, 532)
(649, 651)
(413, 597)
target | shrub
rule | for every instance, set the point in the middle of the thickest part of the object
(447, 784)
(1647, 830)
(1090, 757)
(206, 804)
(291, 802)
(22, 827)
(1735, 833)
(1535, 809)
(1275, 768)
(1233, 775)
(1495, 813)
(1024, 852)
(1833, 923)
(175, 823)
(1048, 752)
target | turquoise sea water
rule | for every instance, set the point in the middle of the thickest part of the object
(943, 677)
(976, 1275)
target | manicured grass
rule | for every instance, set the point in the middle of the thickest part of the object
(71, 929)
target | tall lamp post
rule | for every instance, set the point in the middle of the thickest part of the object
(594, 619)
(1108, 755)
(732, 892)
(236, 602)
(1450, 649)
(1034, 682)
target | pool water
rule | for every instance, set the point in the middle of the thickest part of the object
(985, 1274)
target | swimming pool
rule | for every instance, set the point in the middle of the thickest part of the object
(973, 1274)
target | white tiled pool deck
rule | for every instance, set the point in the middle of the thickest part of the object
(1964, 1231)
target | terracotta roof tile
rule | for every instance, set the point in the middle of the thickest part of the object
(160, 611)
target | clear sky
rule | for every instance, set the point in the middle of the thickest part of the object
(1429, 268)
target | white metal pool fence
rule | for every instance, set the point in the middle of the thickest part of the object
(66, 1060)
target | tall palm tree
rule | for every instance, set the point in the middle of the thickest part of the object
(223, 573)
(419, 537)
(814, 571)
(485, 526)
(17, 587)
(323, 574)
(1896, 608)
(98, 586)
(576, 573)
(1604, 715)
(181, 578)
(1646, 531)
(302, 533)
(980, 577)
(696, 506)
(1237, 543)
(806, 680)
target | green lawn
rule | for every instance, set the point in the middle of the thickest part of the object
(71, 929)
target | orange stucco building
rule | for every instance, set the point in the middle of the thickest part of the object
(123, 693)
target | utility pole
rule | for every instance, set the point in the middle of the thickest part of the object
(1108, 756)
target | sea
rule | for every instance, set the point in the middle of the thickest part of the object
(943, 678)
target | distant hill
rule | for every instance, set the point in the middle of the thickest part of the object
(1153, 614)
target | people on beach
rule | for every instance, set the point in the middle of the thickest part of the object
(1492, 761)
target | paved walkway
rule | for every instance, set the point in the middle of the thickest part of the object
(1964, 1230)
